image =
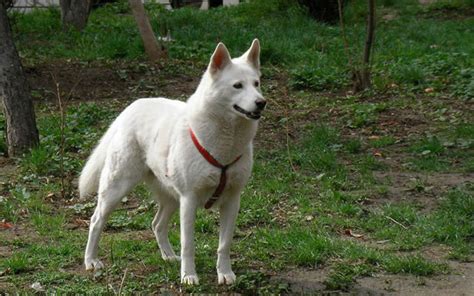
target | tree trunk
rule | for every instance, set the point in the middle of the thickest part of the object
(362, 79)
(22, 133)
(74, 13)
(369, 41)
(154, 50)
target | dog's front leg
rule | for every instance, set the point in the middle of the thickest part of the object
(228, 216)
(187, 215)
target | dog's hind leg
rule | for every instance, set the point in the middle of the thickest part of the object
(114, 184)
(160, 226)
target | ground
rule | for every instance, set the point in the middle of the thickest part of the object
(351, 193)
(103, 83)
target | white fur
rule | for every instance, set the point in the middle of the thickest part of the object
(149, 141)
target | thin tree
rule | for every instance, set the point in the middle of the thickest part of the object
(75, 13)
(364, 81)
(22, 133)
(154, 50)
(361, 76)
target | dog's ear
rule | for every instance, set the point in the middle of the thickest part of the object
(253, 54)
(220, 59)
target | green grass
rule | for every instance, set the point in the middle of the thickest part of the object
(261, 239)
(313, 51)
(414, 265)
(316, 204)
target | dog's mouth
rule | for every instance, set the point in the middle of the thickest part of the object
(252, 115)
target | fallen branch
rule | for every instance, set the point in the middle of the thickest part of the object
(396, 222)
(123, 281)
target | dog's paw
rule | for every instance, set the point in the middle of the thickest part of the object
(170, 257)
(190, 280)
(226, 278)
(93, 264)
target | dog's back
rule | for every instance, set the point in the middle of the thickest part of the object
(132, 129)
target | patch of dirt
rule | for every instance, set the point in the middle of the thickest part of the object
(97, 81)
(311, 282)
(303, 281)
(425, 189)
(459, 283)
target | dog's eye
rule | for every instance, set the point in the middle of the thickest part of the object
(238, 85)
(256, 83)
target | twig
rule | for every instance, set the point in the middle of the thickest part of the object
(123, 281)
(287, 128)
(62, 141)
(344, 37)
(370, 34)
(396, 222)
(69, 95)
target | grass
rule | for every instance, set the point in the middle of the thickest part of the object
(313, 51)
(316, 204)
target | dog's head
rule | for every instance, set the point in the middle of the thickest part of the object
(236, 82)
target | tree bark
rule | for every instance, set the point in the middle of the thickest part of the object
(369, 41)
(74, 13)
(154, 50)
(22, 133)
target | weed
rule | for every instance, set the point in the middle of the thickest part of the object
(354, 146)
(415, 265)
(17, 263)
(383, 141)
(343, 275)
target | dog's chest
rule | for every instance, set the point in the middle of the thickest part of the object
(212, 178)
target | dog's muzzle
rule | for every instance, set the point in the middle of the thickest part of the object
(252, 115)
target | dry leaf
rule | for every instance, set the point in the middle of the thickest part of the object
(5, 225)
(350, 233)
(377, 153)
(37, 287)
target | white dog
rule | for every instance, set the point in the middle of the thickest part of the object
(192, 154)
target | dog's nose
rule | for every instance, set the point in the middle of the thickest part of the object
(260, 103)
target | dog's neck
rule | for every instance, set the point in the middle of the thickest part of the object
(225, 136)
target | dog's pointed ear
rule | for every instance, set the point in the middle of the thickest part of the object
(220, 59)
(253, 54)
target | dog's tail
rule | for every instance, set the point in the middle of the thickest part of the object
(90, 175)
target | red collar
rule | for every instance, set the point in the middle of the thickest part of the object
(207, 156)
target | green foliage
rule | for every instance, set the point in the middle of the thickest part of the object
(82, 130)
(364, 114)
